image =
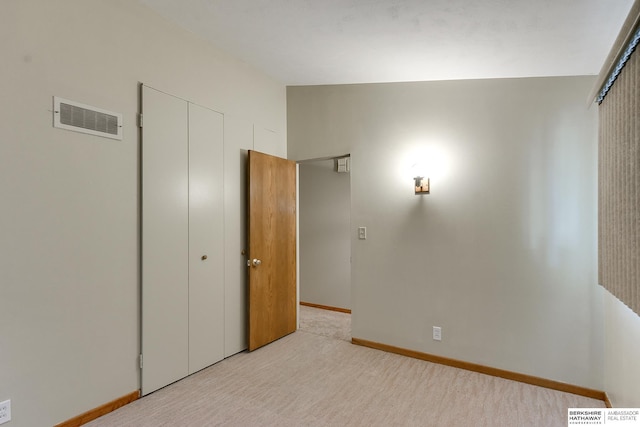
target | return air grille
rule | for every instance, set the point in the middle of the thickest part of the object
(78, 117)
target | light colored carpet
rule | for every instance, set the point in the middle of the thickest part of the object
(310, 378)
(332, 324)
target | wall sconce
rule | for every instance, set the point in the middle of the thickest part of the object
(419, 170)
(421, 185)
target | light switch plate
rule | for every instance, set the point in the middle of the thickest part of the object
(362, 233)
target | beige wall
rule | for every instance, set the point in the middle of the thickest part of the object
(502, 253)
(69, 218)
(325, 237)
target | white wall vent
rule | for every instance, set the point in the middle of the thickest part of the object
(83, 118)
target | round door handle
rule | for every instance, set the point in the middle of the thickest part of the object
(256, 262)
(204, 257)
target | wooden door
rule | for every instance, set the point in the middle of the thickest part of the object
(272, 248)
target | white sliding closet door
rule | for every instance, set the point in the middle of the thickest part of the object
(206, 238)
(182, 239)
(165, 219)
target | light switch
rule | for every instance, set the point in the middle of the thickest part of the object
(362, 233)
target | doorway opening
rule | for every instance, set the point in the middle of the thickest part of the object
(325, 245)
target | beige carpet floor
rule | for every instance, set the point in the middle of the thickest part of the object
(327, 323)
(316, 377)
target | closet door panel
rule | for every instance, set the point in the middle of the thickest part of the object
(238, 139)
(206, 238)
(165, 216)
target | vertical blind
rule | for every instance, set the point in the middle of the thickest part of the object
(619, 179)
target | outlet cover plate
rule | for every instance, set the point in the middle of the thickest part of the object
(437, 333)
(5, 411)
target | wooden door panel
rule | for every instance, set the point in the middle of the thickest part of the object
(272, 241)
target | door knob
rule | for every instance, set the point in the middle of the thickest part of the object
(256, 262)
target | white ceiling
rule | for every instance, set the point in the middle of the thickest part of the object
(311, 42)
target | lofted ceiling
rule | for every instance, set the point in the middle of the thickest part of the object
(312, 42)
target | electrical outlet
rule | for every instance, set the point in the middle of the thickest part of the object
(5, 411)
(437, 333)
